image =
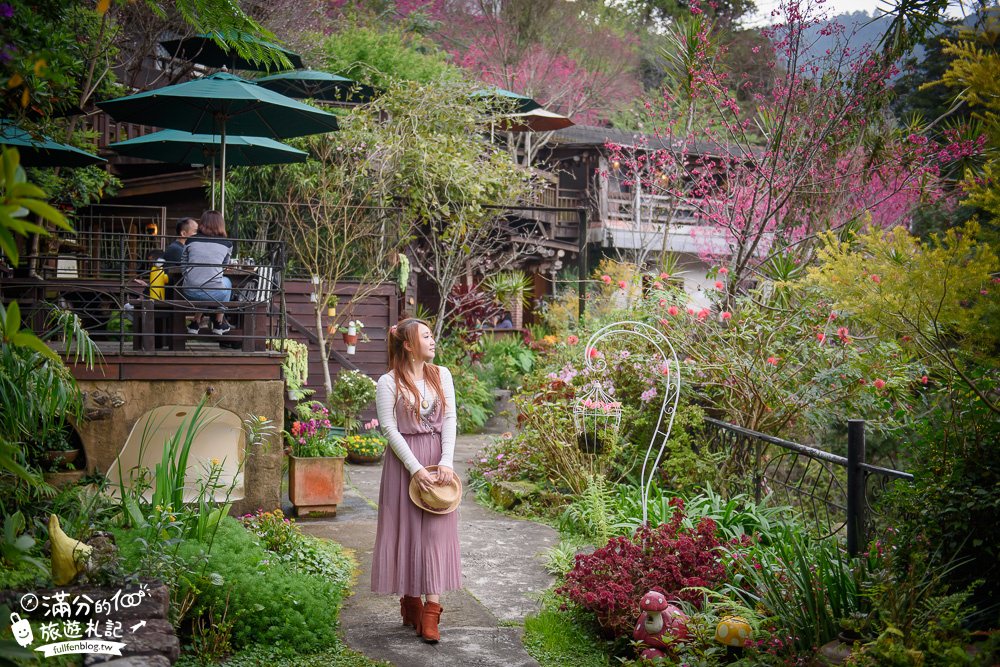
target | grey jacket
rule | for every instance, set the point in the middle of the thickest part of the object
(204, 260)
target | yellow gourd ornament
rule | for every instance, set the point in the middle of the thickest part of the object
(69, 556)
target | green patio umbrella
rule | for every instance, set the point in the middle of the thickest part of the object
(218, 104)
(312, 84)
(521, 103)
(204, 149)
(205, 50)
(42, 151)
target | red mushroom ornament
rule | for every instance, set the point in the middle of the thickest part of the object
(660, 625)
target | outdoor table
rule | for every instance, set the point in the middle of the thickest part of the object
(246, 315)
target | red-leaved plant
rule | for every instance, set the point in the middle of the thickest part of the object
(670, 558)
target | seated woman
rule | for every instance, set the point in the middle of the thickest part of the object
(205, 257)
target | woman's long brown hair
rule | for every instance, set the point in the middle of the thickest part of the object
(407, 332)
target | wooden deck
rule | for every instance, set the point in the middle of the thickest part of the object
(203, 360)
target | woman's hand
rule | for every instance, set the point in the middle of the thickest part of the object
(425, 480)
(445, 475)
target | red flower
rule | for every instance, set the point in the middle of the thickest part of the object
(572, 340)
(607, 279)
(833, 316)
(821, 336)
(879, 383)
(657, 285)
(672, 310)
(773, 361)
(726, 315)
(703, 313)
(718, 284)
(875, 278)
(663, 302)
(622, 284)
(664, 276)
(924, 379)
(593, 353)
(723, 271)
(690, 310)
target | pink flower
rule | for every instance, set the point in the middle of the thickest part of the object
(718, 284)
(773, 361)
(607, 279)
(664, 322)
(879, 383)
(622, 284)
(983, 292)
(924, 379)
(875, 278)
(663, 302)
(664, 369)
(833, 316)
(664, 276)
(723, 271)
(821, 336)
(690, 310)
(725, 315)
(593, 353)
(672, 310)
(703, 313)
(572, 340)
(657, 285)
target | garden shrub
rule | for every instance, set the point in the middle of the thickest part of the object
(506, 361)
(669, 559)
(289, 600)
(951, 507)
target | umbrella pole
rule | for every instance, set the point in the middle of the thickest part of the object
(213, 183)
(222, 185)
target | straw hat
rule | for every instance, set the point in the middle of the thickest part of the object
(441, 499)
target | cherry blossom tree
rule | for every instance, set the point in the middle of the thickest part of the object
(816, 153)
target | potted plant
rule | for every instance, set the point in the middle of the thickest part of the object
(352, 392)
(366, 448)
(315, 468)
(295, 366)
(351, 331)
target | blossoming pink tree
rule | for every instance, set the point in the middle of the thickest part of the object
(814, 154)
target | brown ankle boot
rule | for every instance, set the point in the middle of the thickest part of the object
(429, 620)
(411, 608)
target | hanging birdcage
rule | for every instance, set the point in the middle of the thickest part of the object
(597, 417)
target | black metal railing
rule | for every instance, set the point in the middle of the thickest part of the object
(129, 302)
(833, 493)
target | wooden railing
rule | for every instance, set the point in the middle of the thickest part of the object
(652, 209)
(110, 131)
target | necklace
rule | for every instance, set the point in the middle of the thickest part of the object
(424, 404)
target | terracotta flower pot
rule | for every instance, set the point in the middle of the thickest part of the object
(316, 484)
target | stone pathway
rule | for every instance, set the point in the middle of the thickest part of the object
(482, 624)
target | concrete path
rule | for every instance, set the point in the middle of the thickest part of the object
(481, 624)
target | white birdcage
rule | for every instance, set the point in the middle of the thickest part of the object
(597, 414)
(597, 417)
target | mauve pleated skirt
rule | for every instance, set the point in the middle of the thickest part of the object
(416, 552)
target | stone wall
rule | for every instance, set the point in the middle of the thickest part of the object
(113, 408)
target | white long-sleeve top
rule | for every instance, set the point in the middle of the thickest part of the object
(385, 405)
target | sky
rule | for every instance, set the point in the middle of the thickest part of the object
(835, 7)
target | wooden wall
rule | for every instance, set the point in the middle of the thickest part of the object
(379, 310)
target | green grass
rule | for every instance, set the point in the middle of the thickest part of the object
(555, 639)
(265, 656)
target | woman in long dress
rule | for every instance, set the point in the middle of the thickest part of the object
(416, 552)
